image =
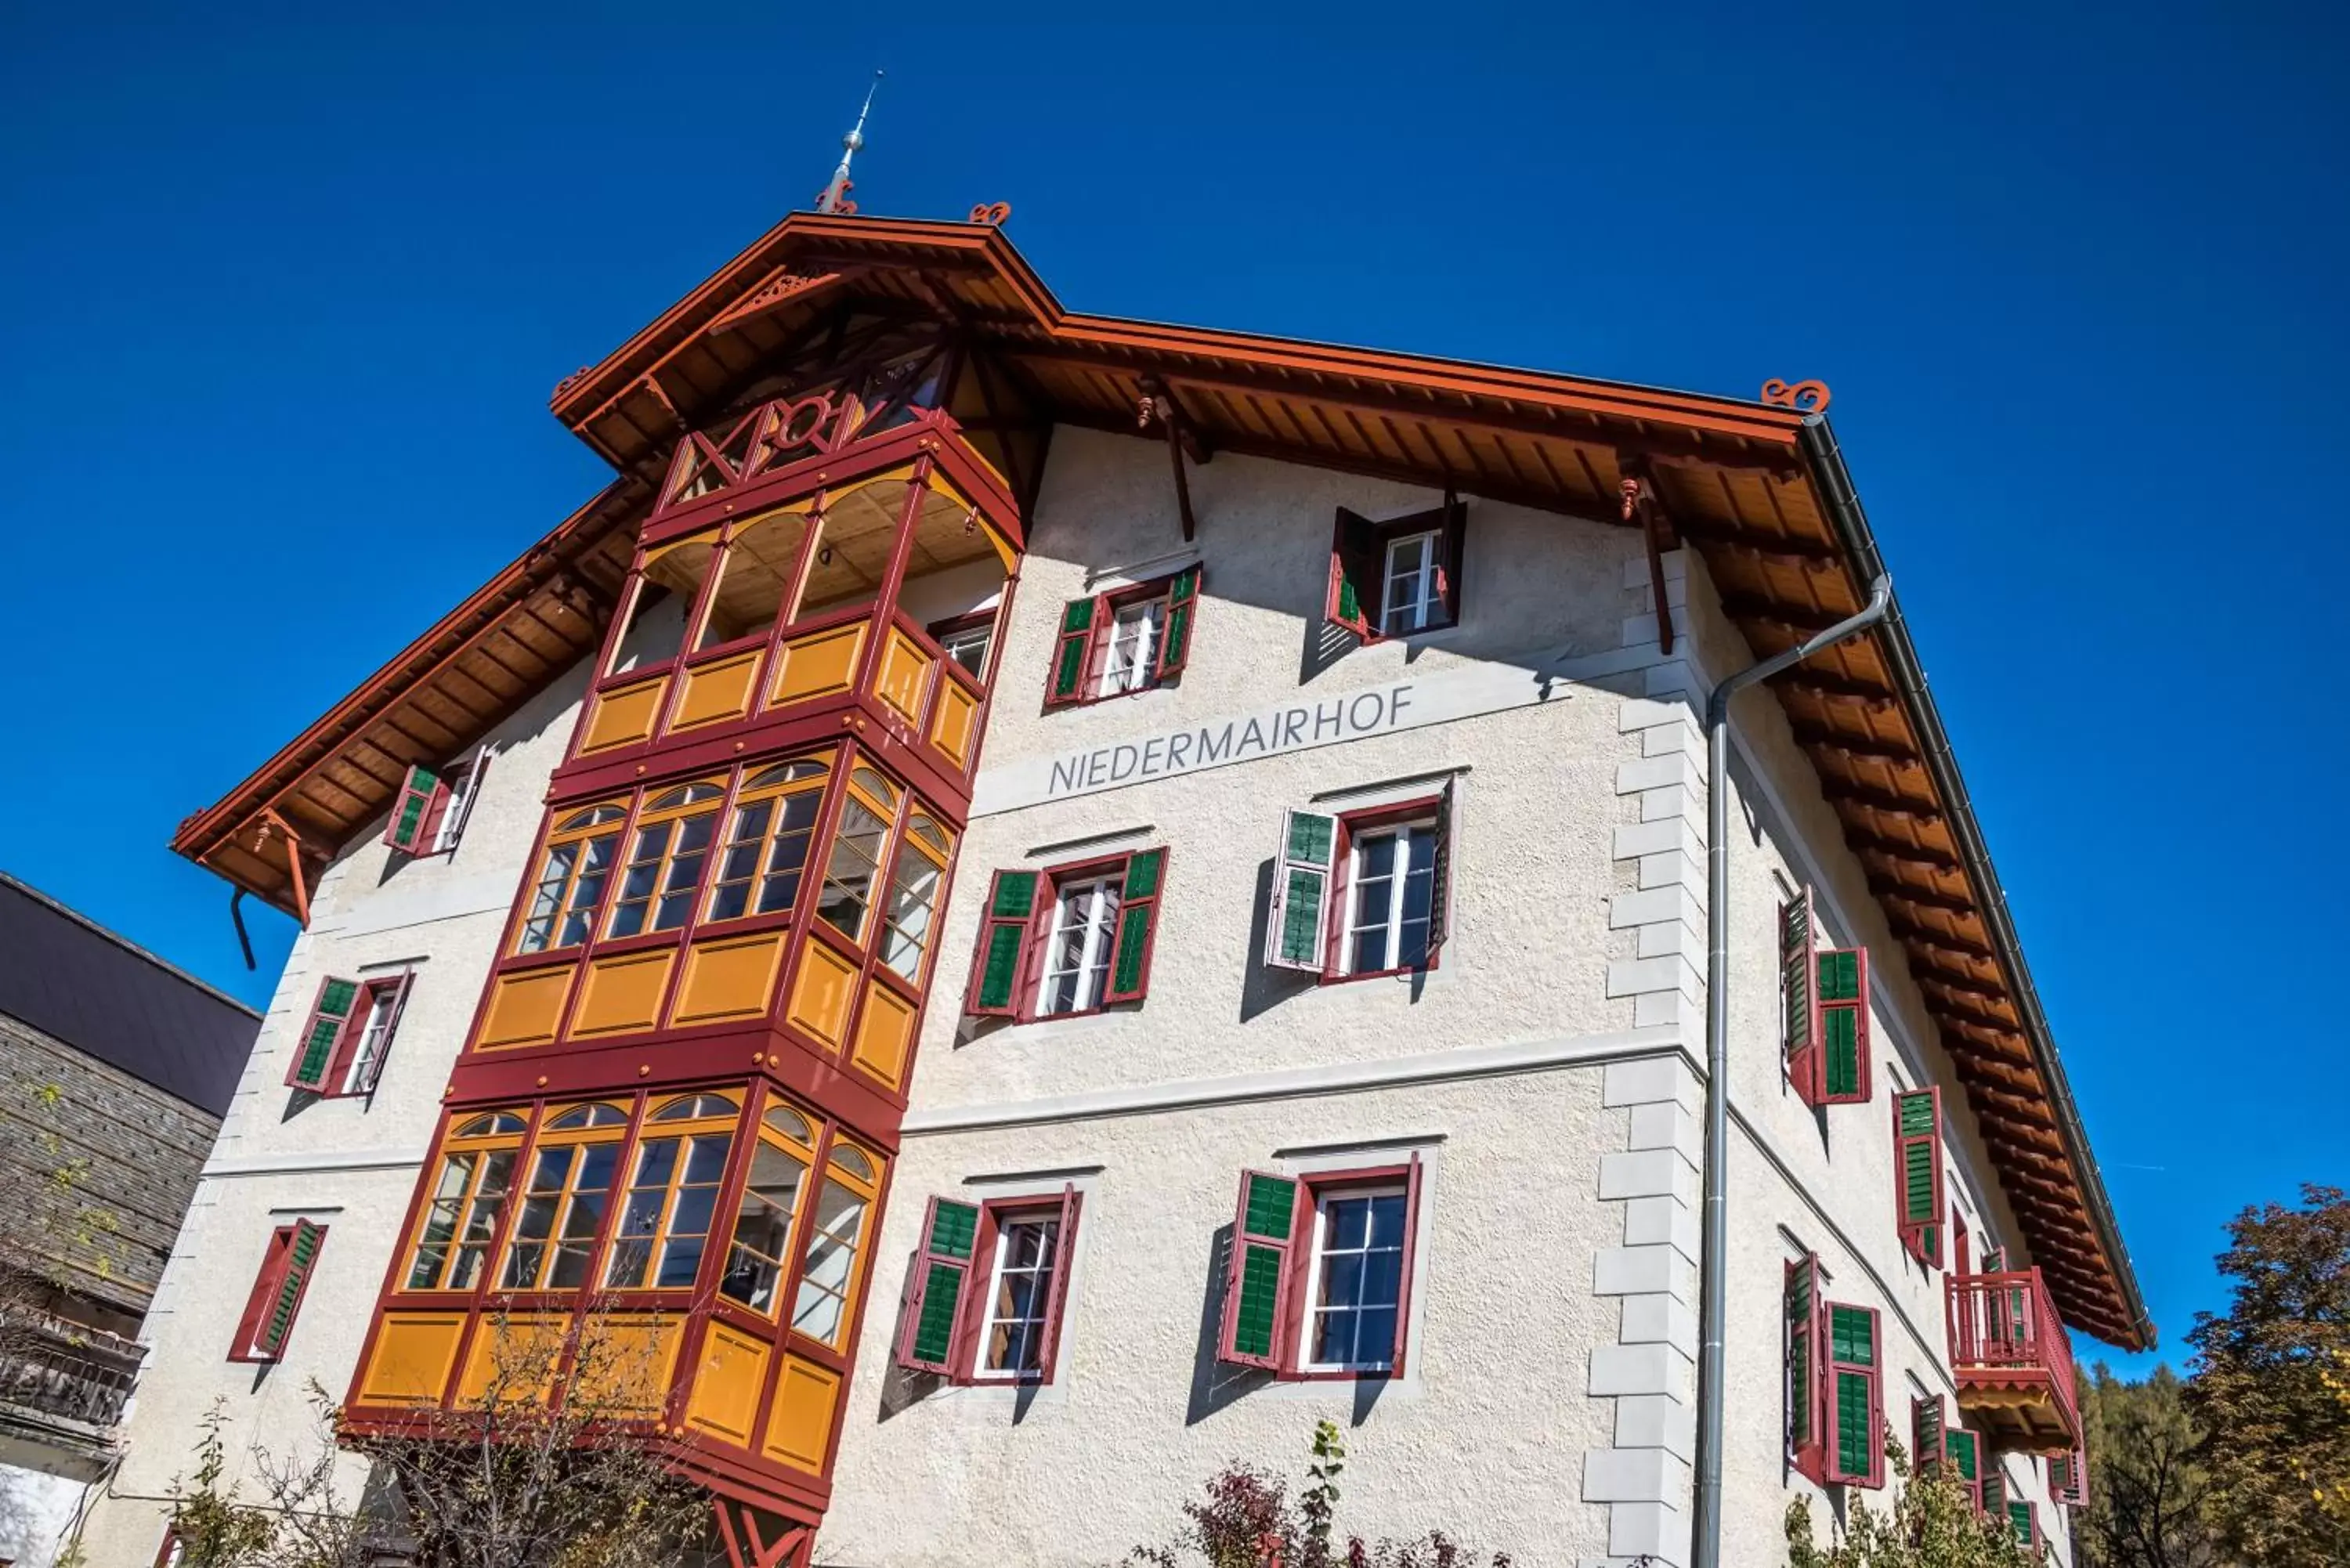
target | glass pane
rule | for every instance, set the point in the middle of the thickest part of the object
(690, 852)
(546, 898)
(913, 893)
(849, 876)
(820, 1309)
(587, 891)
(788, 856)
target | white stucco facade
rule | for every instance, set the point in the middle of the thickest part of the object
(1547, 1071)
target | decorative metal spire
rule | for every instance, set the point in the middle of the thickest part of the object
(836, 195)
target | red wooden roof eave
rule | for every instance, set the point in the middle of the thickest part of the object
(203, 833)
(592, 390)
(1832, 482)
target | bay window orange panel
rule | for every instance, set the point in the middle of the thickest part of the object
(727, 1384)
(624, 715)
(816, 664)
(622, 996)
(524, 1008)
(822, 992)
(625, 1364)
(718, 691)
(884, 1031)
(799, 1424)
(412, 1356)
(952, 727)
(514, 1358)
(905, 668)
(729, 977)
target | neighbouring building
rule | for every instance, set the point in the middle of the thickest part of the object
(1031, 902)
(115, 1071)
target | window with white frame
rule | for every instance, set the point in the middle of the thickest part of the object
(1391, 878)
(1018, 1305)
(384, 1001)
(1078, 947)
(1130, 647)
(1408, 596)
(1356, 1278)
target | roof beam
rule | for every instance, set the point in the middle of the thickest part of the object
(1860, 838)
(1810, 734)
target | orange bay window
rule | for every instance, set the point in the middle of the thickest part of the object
(680, 1165)
(468, 1198)
(563, 1206)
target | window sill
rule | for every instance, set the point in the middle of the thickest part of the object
(1410, 971)
(1076, 702)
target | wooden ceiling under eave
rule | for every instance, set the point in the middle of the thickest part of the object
(436, 697)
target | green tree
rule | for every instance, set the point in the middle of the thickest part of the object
(2145, 1478)
(2271, 1386)
(1932, 1524)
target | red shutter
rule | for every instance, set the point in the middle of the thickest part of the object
(277, 1292)
(320, 1042)
(1439, 879)
(1927, 1426)
(356, 1039)
(1449, 555)
(1137, 924)
(930, 1320)
(422, 795)
(1175, 638)
(1073, 660)
(1807, 1367)
(1846, 1075)
(1065, 1248)
(1257, 1271)
(1403, 1289)
(1354, 598)
(999, 961)
(1799, 1002)
(1853, 1395)
(1918, 1175)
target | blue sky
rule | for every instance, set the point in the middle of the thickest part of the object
(283, 289)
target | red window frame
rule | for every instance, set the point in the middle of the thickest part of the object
(1293, 1298)
(277, 1265)
(1081, 646)
(960, 1366)
(1436, 809)
(168, 1554)
(1359, 560)
(940, 631)
(329, 1083)
(1036, 933)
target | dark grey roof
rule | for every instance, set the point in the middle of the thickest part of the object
(71, 978)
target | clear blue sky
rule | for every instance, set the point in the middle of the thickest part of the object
(283, 289)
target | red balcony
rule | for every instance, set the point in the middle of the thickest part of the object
(2013, 1362)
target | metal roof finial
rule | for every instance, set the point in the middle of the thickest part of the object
(836, 195)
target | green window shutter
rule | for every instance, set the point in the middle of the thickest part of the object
(1175, 643)
(2068, 1478)
(1299, 909)
(932, 1311)
(286, 1297)
(1843, 1016)
(1919, 1172)
(1256, 1273)
(1797, 999)
(1993, 1501)
(1138, 919)
(1965, 1453)
(1001, 954)
(1439, 881)
(2021, 1516)
(1072, 653)
(412, 815)
(1926, 1431)
(1353, 574)
(1805, 1419)
(322, 1035)
(1857, 1441)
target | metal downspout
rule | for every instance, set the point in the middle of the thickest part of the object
(1713, 1267)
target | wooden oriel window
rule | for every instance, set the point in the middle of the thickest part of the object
(758, 1256)
(1123, 641)
(1069, 940)
(574, 871)
(679, 1166)
(344, 1041)
(565, 1200)
(460, 1220)
(834, 1261)
(1397, 577)
(667, 855)
(1362, 893)
(1319, 1280)
(768, 835)
(989, 1289)
(277, 1290)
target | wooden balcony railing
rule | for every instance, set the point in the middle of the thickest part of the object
(2012, 1359)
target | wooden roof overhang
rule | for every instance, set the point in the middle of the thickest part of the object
(1760, 491)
